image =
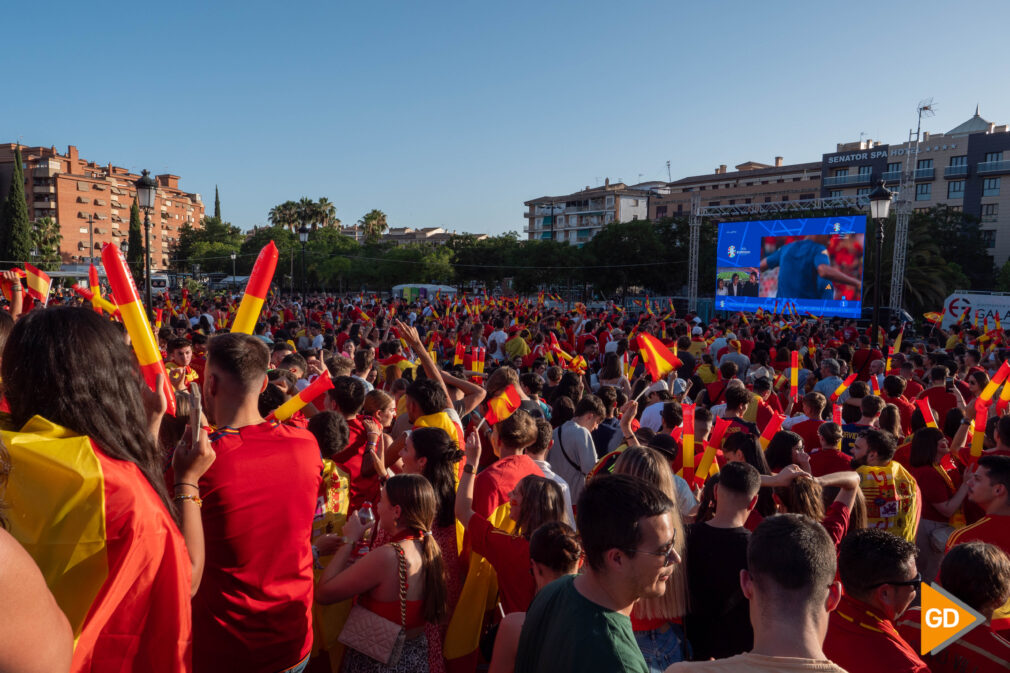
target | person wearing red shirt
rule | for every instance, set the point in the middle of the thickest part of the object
(893, 393)
(989, 488)
(862, 358)
(253, 611)
(829, 458)
(939, 399)
(978, 574)
(359, 457)
(806, 426)
(878, 574)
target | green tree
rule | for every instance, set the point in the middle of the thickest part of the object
(15, 233)
(217, 204)
(285, 215)
(328, 213)
(135, 244)
(46, 239)
(373, 224)
(1003, 278)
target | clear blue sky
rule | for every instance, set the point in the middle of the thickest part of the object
(454, 113)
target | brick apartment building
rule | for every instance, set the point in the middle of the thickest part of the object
(74, 191)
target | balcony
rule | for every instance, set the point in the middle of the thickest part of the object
(43, 204)
(44, 189)
(891, 176)
(925, 173)
(990, 167)
(956, 171)
(990, 218)
(839, 180)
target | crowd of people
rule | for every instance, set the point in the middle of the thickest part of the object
(497, 484)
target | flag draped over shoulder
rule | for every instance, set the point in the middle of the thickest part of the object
(892, 499)
(107, 547)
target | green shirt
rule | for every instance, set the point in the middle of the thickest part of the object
(565, 632)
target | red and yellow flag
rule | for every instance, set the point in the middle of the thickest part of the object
(773, 426)
(38, 282)
(256, 290)
(656, 357)
(131, 310)
(794, 376)
(927, 413)
(296, 403)
(687, 442)
(7, 287)
(843, 387)
(107, 548)
(502, 405)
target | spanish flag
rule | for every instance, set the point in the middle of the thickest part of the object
(109, 550)
(8, 287)
(656, 357)
(38, 284)
(503, 405)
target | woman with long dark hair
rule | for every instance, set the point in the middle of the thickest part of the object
(87, 469)
(406, 510)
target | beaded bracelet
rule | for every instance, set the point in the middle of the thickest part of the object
(195, 498)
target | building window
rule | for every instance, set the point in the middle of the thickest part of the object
(989, 237)
(768, 199)
(841, 172)
(959, 161)
(835, 192)
(714, 203)
(990, 186)
(732, 202)
(785, 198)
(610, 202)
(924, 163)
(990, 210)
(894, 167)
(865, 170)
(955, 189)
(863, 191)
(746, 200)
(993, 156)
(805, 197)
(924, 191)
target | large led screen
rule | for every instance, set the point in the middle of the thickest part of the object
(816, 263)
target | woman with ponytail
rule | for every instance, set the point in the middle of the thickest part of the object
(406, 511)
(433, 454)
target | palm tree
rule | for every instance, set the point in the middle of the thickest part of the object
(284, 215)
(308, 211)
(373, 224)
(328, 213)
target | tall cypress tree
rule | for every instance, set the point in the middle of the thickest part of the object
(15, 229)
(135, 251)
(217, 204)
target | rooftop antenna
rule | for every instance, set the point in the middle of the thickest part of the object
(669, 176)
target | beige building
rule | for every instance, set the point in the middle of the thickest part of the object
(961, 169)
(575, 218)
(751, 182)
(406, 235)
(91, 202)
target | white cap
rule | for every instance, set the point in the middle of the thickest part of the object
(658, 386)
(696, 331)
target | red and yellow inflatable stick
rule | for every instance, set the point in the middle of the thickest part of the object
(256, 290)
(131, 311)
(687, 439)
(295, 404)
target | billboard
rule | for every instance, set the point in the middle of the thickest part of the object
(981, 308)
(815, 263)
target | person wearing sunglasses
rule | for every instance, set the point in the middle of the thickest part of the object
(879, 576)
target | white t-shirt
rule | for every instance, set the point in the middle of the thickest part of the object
(499, 337)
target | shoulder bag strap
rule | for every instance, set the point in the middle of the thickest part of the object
(402, 563)
(564, 453)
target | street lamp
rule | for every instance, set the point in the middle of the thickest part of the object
(146, 190)
(232, 255)
(880, 207)
(303, 236)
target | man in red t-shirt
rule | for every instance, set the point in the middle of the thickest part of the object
(829, 458)
(978, 574)
(806, 425)
(862, 358)
(878, 574)
(893, 393)
(989, 488)
(939, 399)
(253, 611)
(359, 458)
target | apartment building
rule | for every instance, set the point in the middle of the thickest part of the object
(575, 218)
(961, 169)
(91, 202)
(407, 235)
(751, 182)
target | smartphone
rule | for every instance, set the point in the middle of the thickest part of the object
(950, 383)
(195, 415)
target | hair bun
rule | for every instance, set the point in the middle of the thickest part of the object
(455, 456)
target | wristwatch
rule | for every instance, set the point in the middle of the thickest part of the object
(469, 469)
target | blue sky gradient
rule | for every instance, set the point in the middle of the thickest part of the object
(454, 113)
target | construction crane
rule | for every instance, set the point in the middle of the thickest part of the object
(904, 203)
